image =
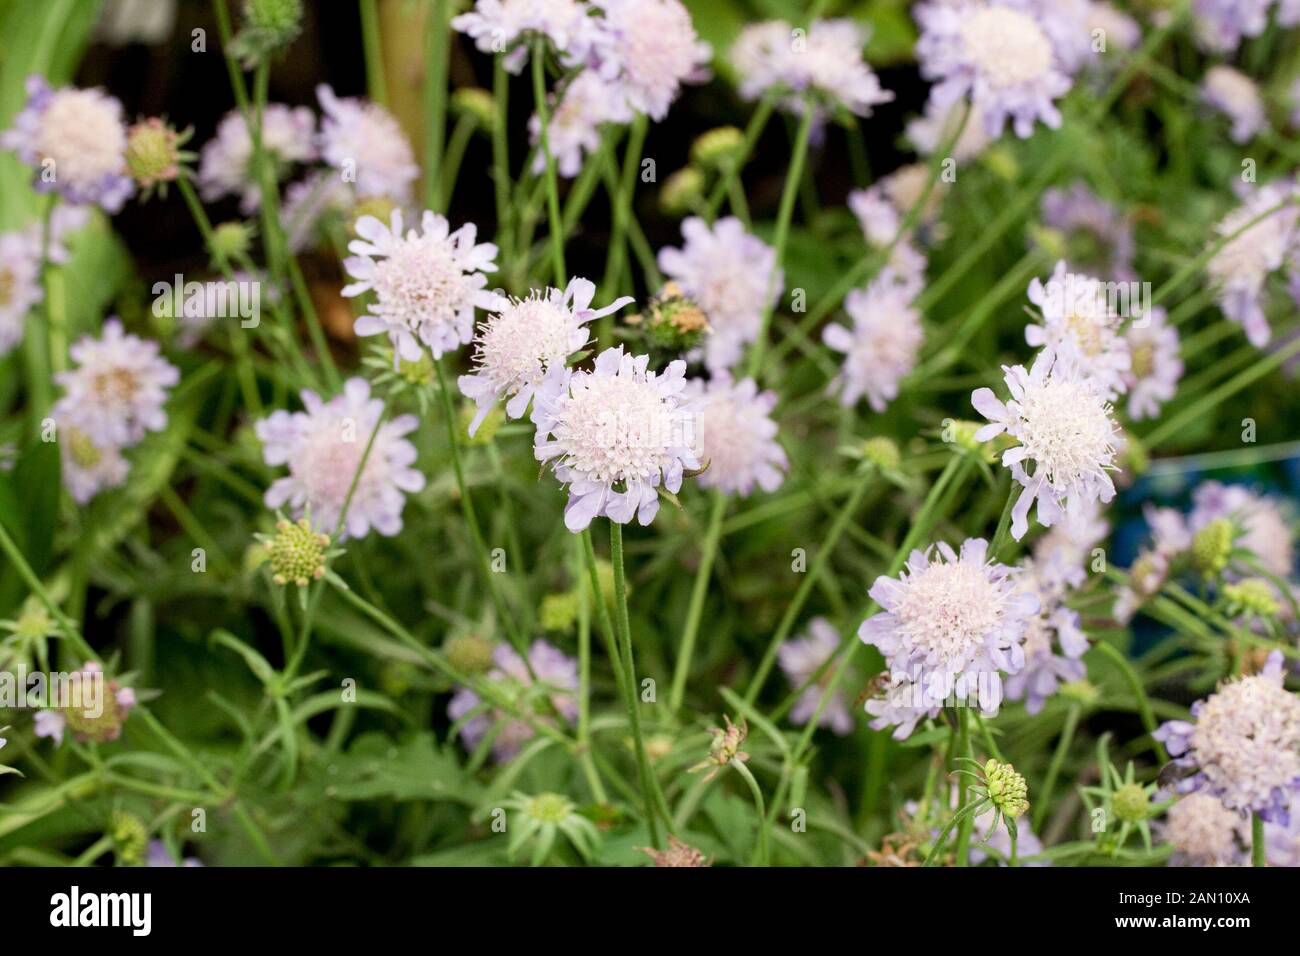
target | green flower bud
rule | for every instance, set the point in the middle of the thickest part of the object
(682, 191)
(1253, 597)
(152, 153)
(1007, 789)
(718, 148)
(1212, 547)
(559, 611)
(296, 552)
(130, 837)
(469, 653)
(1082, 691)
(1132, 803)
(269, 26)
(231, 240)
(672, 321)
(475, 102)
(882, 452)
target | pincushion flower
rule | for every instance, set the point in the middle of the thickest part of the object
(881, 346)
(1054, 641)
(366, 143)
(647, 49)
(882, 209)
(1079, 320)
(88, 467)
(1240, 270)
(94, 708)
(1064, 425)
(1119, 30)
(1203, 832)
(75, 141)
(1001, 54)
(800, 659)
(574, 129)
(554, 689)
(1236, 96)
(1099, 238)
(938, 124)
(1266, 531)
(226, 161)
(323, 446)
(506, 26)
(729, 274)
(523, 339)
(615, 435)
(1221, 24)
(426, 283)
(825, 64)
(1242, 745)
(119, 388)
(737, 435)
(1154, 364)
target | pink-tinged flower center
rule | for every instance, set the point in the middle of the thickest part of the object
(614, 428)
(1067, 429)
(116, 386)
(420, 283)
(80, 132)
(1008, 46)
(949, 609)
(524, 340)
(328, 464)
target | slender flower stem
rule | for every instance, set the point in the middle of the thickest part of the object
(617, 253)
(1258, 847)
(372, 46)
(784, 214)
(761, 854)
(438, 183)
(1139, 692)
(584, 678)
(730, 173)
(963, 788)
(1004, 522)
(695, 611)
(552, 190)
(1041, 803)
(501, 155)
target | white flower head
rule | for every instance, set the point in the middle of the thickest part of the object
(1080, 320)
(523, 339)
(1203, 832)
(880, 347)
(800, 659)
(366, 143)
(1235, 95)
(426, 282)
(1063, 424)
(616, 434)
(1054, 640)
(119, 388)
(730, 275)
(1240, 270)
(737, 435)
(648, 49)
(1155, 366)
(75, 141)
(323, 446)
(505, 26)
(1004, 54)
(226, 161)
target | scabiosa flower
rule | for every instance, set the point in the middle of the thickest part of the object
(729, 273)
(882, 209)
(310, 202)
(498, 26)
(1063, 423)
(737, 435)
(119, 387)
(88, 467)
(1001, 53)
(1099, 238)
(95, 708)
(618, 426)
(75, 140)
(1243, 745)
(574, 128)
(20, 284)
(881, 346)
(1155, 366)
(1078, 320)
(1118, 29)
(1221, 24)
(523, 339)
(825, 63)
(1235, 95)
(556, 678)
(950, 612)
(1054, 641)
(931, 130)
(648, 48)
(800, 659)
(226, 161)
(426, 283)
(1203, 832)
(323, 446)
(1242, 267)
(366, 143)
(1266, 532)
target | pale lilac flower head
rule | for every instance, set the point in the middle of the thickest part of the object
(366, 144)
(729, 274)
(825, 62)
(522, 340)
(882, 209)
(118, 389)
(1155, 366)
(648, 49)
(1203, 832)
(88, 466)
(557, 676)
(20, 284)
(1240, 270)
(1080, 321)
(1234, 94)
(75, 140)
(1054, 640)
(1064, 425)
(1099, 238)
(880, 347)
(83, 692)
(323, 446)
(1266, 531)
(1170, 537)
(507, 26)
(937, 125)
(310, 202)
(1006, 55)
(800, 659)
(574, 129)
(615, 435)
(226, 161)
(1221, 24)
(159, 856)
(1242, 745)
(737, 435)
(426, 282)
(1119, 30)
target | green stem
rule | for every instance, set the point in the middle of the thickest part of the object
(761, 854)
(753, 130)
(1054, 768)
(501, 155)
(1258, 848)
(695, 611)
(438, 184)
(1139, 692)
(963, 788)
(552, 190)
(372, 45)
(617, 253)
